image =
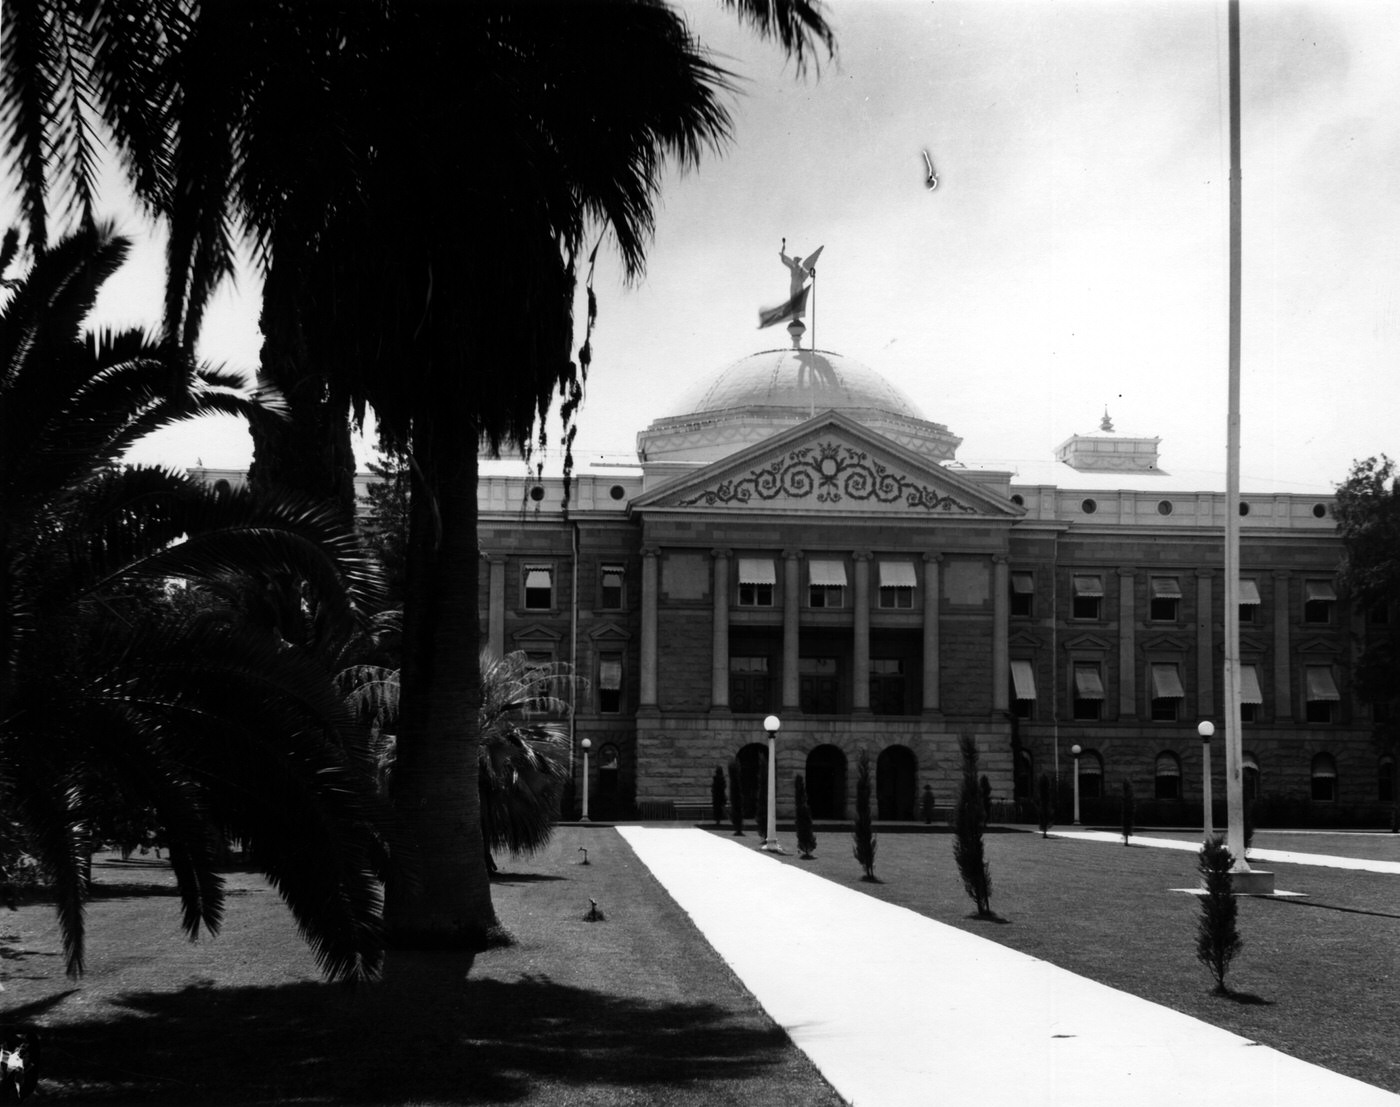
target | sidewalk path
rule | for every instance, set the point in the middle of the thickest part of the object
(896, 1009)
(1277, 856)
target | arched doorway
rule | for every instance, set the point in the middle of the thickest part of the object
(895, 778)
(826, 782)
(751, 769)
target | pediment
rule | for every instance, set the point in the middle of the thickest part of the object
(830, 464)
(609, 632)
(1087, 642)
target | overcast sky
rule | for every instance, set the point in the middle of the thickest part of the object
(1073, 255)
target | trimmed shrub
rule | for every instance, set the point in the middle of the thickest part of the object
(969, 820)
(736, 800)
(864, 832)
(1217, 938)
(717, 796)
(806, 836)
(1127, 811)
(1045, 806)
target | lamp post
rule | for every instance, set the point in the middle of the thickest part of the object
(770, 843)
(587, 745)
(1205, 728)
(1075, 751)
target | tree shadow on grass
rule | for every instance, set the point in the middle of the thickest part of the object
(1332, 907)
(503, 877)
(418, 1038)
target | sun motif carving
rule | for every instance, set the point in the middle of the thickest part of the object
(831, 472)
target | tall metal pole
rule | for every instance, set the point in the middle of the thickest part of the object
(1234, 784)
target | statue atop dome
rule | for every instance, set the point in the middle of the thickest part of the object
(799, 269)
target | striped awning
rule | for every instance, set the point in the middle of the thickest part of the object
(1319, 590)
(1166, 588)
(1166, 682)
(1023, 679)
(1023, 583)
(1088, 685)
(1250, 692)
(897, 574)
(610, 675)
(826, 572)
(1088, 586)
(757, 570)
(1321, 686)
(1249, 591)
(536, 577)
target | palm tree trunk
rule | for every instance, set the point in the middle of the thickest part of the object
(447, 904)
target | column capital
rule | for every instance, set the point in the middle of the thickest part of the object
(721, 552)
(792, 555)
(932, 558)
(1282, 574)
(1126, 571)
(1001, 559)
(862, 555)
(651, 551)
(1204, 574)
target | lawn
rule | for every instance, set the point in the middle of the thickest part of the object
(1318, 977)
(636, 1009)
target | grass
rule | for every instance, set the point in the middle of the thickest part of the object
(636, 1009)
(1317, 978)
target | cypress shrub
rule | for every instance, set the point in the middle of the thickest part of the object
(806, 836)
(1217, 938)
(736, 800)
(717, 796)
(864, 832)
(1045, 807)
(969, 819)
(760, 800)
(1128, 811)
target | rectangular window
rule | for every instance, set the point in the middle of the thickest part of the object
(897, 583)
(1088, 597)
(539, 587)
(1167, 692)
(1318, 598)
(887, 691)
(750, 688)
(1249, 600)
(1022, 689)
(610, 593)
(757, 577)
(1088, 690)
(1321, 690)
(826, 581)
(1023, 594)
(610, 683)
(1251, 694)
(818, 685)
(1165, 605)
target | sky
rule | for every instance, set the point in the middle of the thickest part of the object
(1072, 258)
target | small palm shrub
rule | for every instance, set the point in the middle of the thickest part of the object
(864, 832)
(806, 836)
(969, 819)
(1217, 937)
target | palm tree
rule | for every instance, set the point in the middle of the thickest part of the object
(127, 670)
(420, 179)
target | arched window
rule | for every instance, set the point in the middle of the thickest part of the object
(1250, 767)
(1324, 778)
(1167, 776)
(609, 763)
(1090, 775)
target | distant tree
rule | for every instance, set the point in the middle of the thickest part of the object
(1368, 519)
(717, 796)
(806, 836)
(736, 799)
(969, 820)
(864, 832)
(760, 798)
(1046, 805)
(1128, 811)
(1217, 938)
(384, 523)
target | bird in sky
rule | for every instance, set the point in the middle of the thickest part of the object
(932, 178)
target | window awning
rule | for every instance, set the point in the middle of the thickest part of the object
(1088, 685)
(1249, 591)
(1167, 765)
(1249, 763)
(757, 570)
(1166, 588)
(1023, 583)
(1023, 679)
(897, 574)
(1250, 692)
(1088, 586)
(827, 573)
(537, 578)
(610, 675)
(1319, 590)
(1324, 765)
(1166, 682)
(1321, 686)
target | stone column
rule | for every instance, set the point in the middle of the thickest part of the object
(650, 592)
(1283, 660)
(860, 644)
(1205, 645)
(496, 606)
(931, 665)
(792, 606)
(719, 663)
(1001, 624)
(1127, 645)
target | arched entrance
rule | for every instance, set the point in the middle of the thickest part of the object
(896, 771)
(751, 761)
(826, 782)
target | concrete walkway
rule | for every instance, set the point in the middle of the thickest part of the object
(1277, 856)
(905, 1010)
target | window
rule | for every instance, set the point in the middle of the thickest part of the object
(1250, 768)
(897, 583)
(1318, 598)
(1166, 777)
(756, 579)
(1324, 778)
(610, 593)
(1022, 689)
(1385, 780)
(610, 682)
(750, 688)
(818, 686)
(539, 587)
(1322, 694)
(1088, 597)
(1088, 690)
(826, 583)
(1090, 775)
(1167, 692)
(887, 686)
(1251, 694)
(1165, 606)
(1023, 594)
(609, 762)
(1249, 600)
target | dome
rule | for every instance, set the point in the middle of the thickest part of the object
(768, 392)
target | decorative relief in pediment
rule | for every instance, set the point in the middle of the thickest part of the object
(832, 473)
